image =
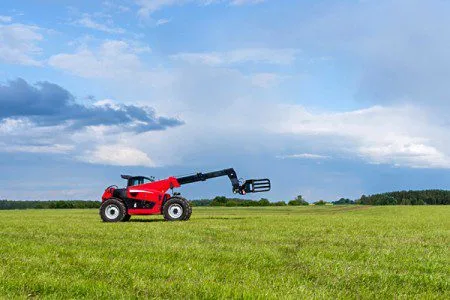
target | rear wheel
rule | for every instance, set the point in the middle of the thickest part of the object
(177, 209)
(113, 210)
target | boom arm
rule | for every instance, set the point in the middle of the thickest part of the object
(249, 186)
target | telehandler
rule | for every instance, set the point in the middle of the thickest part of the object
(146, 196)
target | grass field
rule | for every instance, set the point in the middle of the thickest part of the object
(276, 252)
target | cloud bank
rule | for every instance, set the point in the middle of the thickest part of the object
(48, 104)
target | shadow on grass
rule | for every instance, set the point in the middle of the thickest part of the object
(206, 218)
(145, 220)
(222, 218)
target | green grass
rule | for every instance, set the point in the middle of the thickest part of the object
(273, 252)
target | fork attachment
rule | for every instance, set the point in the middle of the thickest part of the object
(255, 186)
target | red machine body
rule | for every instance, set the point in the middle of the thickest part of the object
(154, 192)
(145, 196)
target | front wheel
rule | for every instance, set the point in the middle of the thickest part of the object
(177, 209)
(113, 210)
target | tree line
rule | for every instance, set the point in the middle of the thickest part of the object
(58, 204)
(425, 197)
(231, 202)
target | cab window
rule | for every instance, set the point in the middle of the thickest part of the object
(138, 181)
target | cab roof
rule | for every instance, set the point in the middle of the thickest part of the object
(128, 177)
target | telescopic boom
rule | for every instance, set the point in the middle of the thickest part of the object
(249, 186)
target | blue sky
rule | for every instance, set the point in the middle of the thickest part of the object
(328, 99)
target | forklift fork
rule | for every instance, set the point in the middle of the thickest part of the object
(256, 186)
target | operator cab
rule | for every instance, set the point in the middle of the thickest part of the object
(136, 180)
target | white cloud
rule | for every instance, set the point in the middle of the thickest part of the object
(402, 136)
(98, 144)
(304, 156)
(413, 154)
(245, 2)
(147, 7)
(211, 59)
(56, 148)
(118, 155)
(407, 136)
(118, 64)
(107, 103)
(116, 7)
(161, 22)
(265, 80)
(252, 55)
(112, 59)
(21, 135)
(5, 19)
(87, 21)
(10, 125)
(18, 44)
(222, 108)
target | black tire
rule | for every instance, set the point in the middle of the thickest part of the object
(177, 209)
(113, 210)
(189, 211)
(126, 218)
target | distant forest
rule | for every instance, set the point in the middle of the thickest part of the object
(426, 197)
(10, 204)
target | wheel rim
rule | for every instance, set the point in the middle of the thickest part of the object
(112, 211)
(175, 211)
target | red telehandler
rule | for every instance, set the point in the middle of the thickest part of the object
(145, 196)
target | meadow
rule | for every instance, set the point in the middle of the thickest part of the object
(267, 252)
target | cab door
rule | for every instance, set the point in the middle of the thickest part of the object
(140, 189)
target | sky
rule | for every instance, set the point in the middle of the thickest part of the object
(328, 99)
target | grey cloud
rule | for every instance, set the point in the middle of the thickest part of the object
(48, 104)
